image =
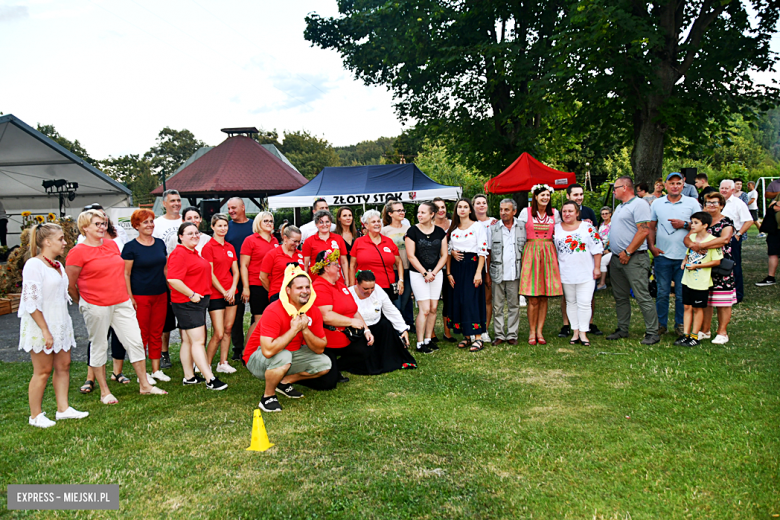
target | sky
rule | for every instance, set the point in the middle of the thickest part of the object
(113, 74)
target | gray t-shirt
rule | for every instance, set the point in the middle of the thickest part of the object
(624, 224)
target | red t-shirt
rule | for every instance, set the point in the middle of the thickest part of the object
(222, 256)
(190, 268)
(276, 322)
(102, 277)
(341, 299)
(314, 244)
(256, 247)
(365, 252)
(274, 264)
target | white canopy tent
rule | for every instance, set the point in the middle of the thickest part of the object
(27, 158)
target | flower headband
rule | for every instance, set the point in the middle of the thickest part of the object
(542, 187)
(330, 256)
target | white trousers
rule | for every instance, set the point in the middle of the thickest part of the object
(423, 290)
(578, 297)
(125, 324)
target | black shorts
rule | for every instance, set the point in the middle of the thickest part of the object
(170, 317)
(273, 297)
(258, 299)
(773, 244)
(220, 304)
(754, 214)
(191, 315)
(694, 298)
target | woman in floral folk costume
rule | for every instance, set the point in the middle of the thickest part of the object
(468, 250)
(539, 275)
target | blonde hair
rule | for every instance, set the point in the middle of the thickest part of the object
(39, 233)
(259, 220)
(85, 219)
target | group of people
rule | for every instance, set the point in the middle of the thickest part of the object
(332, 297)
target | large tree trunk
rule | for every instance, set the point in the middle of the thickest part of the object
(647, 156)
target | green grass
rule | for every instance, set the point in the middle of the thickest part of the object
(616, 430)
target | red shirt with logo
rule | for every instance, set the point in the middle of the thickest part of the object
(377, 258)
(274, 264)
(189, 267)
(222, 256)
(256, 247)
(343, 303)
(276, 322)
(314, 245)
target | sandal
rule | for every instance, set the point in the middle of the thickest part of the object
(87, 387)
(584, 343)
(463, 344)
(477, 346)
(541, 341)
(532, 341)
(120, 378)
(109, 399)
(574, 341)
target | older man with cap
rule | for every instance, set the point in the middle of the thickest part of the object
(670, 221)
(630, 264)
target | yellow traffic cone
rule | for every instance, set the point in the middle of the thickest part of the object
(260, 440)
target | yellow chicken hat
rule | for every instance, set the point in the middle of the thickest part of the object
(291, 272)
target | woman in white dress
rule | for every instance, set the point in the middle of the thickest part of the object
(46, 331)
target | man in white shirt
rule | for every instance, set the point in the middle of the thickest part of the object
(310, 228)
(739, 213)
(165, 226)
(506, 240)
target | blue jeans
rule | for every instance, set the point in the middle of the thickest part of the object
(666, 271)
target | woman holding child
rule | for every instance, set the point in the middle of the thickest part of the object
(722, 294)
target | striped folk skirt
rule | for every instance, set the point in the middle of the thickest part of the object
(540, 275)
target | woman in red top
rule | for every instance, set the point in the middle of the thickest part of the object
(339, 311)
(254, 249)
(324, 240)
(95, 270)
(378, 254)
(189, 276)
(224, 281)
(274, 263)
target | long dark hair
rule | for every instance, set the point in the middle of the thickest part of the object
(456, 217)
(340, 228)
(535, 205)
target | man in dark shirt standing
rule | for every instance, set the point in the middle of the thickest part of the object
(703, 185)
(239, 228)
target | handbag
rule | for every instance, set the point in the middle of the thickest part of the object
(351, 332)
(393, 286)
(725, 268)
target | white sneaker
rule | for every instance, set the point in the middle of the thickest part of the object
(160, 376)
(148, 378)
(704, 335)
(71, 413)
(486, 338)
(720, 340)
(523, 302)
(41, 421)
(225, 368)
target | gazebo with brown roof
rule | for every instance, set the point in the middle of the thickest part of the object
(238, 167)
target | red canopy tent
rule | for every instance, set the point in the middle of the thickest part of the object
(524, 173)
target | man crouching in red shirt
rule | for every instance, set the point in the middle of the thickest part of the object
(292, 340)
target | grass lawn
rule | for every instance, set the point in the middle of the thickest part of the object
(616, 430)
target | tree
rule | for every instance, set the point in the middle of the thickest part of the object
(173, 148)
(72, 146)
(366, 152)
(649, 71)
(135, 172)
(474, 71)
(308, 153)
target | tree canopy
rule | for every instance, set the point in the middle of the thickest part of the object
(550, 76)
(309, 153)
